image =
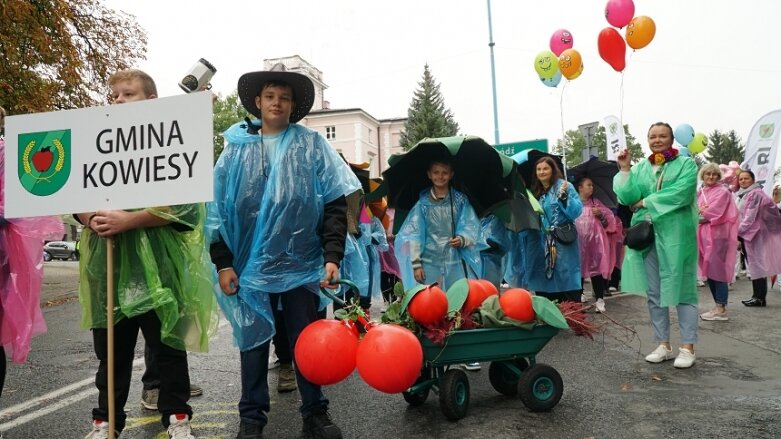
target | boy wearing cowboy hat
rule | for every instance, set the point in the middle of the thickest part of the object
(277, 228)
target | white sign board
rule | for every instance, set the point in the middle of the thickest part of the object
(157, 152)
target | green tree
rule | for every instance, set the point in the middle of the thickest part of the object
(724, 147)
(58, 54)
(427, 115)
(574, 143)
(227, 111)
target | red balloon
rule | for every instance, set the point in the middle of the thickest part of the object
(428, 306)
(516, 303)
(390, 358)
(477, 294)
(325, 351)
(490, 288)
(612, 48)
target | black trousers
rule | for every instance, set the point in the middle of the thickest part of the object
(281, 340)
(759, 287)
(599, 285)
(172, 367)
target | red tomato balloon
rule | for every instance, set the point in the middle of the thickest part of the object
(390, 358)
(325, 351)
(612, 48)
(477, 293)
(428, 306)
(517, 304)
(489, 287)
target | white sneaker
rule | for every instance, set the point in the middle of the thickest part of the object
(179, 427)
(600, 305)
(685, 359)
(700, 283)
(475, 366)
(583, 298)
(660, 354)
(99, 430)
(713, 316)
(612, 289)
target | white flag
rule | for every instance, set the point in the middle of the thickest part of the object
(761, 149)
(614, 137)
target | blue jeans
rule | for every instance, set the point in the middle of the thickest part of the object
(299, 307)
(720, 291)
(688, 315)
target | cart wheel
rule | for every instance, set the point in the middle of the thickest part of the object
(454, 394)
(540, 387)
(503, 379)
(418, 398)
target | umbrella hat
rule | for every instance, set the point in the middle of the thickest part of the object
(481, 173)
(601, 174)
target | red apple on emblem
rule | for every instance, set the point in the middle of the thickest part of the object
(42, 159)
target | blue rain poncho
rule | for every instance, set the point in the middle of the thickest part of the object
(525, 254)
(498, 239)
(355, 266)
(269, 214)
(566, 271)
(426, 234)
(374, 240)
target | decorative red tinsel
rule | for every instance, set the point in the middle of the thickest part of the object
(575, 314)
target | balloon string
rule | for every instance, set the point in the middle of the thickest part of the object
(621, 100)
(563, 133)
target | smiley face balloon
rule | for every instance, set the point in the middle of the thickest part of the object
(546, 64)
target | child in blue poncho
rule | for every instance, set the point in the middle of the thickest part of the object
(440, 240)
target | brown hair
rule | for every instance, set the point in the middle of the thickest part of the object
(708, 168)
(129, 74)
(537, 188)
(2, 120)
(662, 124)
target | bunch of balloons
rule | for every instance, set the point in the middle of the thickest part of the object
(691, 142)
(639, 32)
(560, 60)
(729, 175)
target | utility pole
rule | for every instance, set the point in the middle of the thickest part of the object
(493, 74)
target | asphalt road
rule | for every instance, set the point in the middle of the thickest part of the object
(734, 390)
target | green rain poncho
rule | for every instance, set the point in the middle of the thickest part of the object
(673, 212)
(157, 268)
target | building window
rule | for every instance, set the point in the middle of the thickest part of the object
(330, 132)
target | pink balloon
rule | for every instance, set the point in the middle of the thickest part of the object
(560, 41)
(619, 12)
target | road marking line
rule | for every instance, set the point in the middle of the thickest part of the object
(48, 409)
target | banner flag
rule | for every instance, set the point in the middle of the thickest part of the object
(762, 148)
(614, 137)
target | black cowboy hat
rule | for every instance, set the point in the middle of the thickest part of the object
(303, 89)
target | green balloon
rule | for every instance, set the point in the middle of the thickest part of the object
(698, 143)
(546, 64)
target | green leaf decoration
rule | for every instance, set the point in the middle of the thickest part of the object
(409, 294)
(548, 312)
(398, 290)
(456, 295)
(341, 314)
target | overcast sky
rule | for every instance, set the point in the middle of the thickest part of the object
(713, 63)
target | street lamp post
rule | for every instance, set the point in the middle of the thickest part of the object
(493, 74)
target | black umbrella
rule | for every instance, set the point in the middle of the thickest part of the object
(518, 213)
(601, 174)
(481, 172)
(527, 161)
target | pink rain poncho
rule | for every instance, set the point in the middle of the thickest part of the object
(597, 249)
(760, 228)
(717, 234)
(21, 274)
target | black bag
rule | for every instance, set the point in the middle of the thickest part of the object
(565, 233)
(640, 236)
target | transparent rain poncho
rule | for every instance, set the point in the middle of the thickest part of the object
(374, 240)
(21, 275)
(426, 233)
(498, 239)
(158, 269)
(354, 267)
(269, 214)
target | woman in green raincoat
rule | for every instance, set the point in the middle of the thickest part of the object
(662, 189)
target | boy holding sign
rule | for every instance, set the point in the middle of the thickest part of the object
(162, 287)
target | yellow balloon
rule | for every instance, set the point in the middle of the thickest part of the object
(546, 64)
(570, 64)
(640, 31)
(698, 144)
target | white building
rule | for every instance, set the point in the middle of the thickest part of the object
(358, 135)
